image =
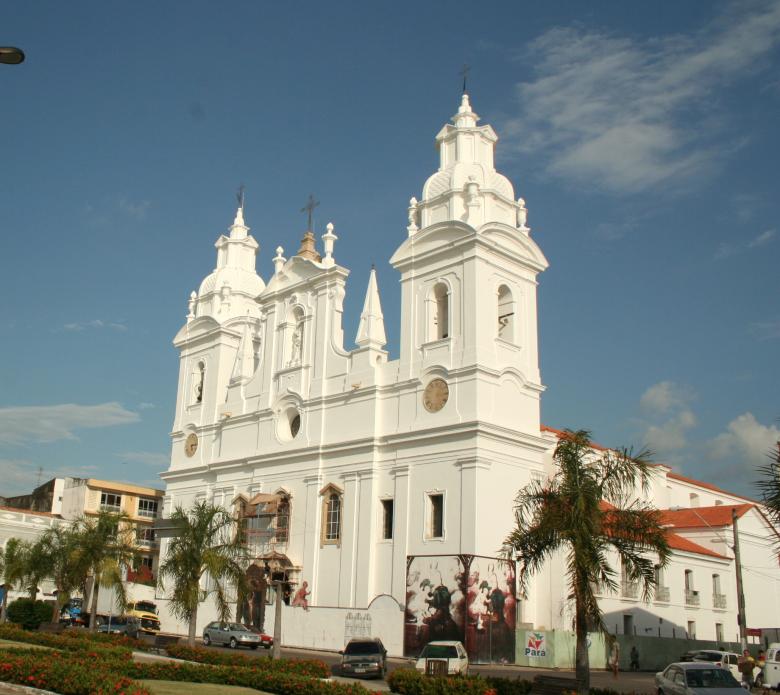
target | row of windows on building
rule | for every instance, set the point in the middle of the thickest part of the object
(630, 589)
(629, 628)
(112, 502)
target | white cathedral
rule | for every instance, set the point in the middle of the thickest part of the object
(381, 490)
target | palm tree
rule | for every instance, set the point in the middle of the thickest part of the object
(588, 510)
(203, 542)
(21, 569)
(59, 549)
(769, 484)
(106, 548)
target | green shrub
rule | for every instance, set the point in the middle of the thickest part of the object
(277, 682)
(28, 613)
(301, 667)
(409, 682)
(510, 686)
(74, 641)
(68, 674)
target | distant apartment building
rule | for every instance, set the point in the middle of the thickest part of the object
(66, 499)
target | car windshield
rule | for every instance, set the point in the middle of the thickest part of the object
(116, 621)
(146, 607)
(709, 656)
(439, 651)
(362, 648)
(238, 628)
(710, 678)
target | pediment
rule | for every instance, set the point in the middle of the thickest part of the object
(201, 326)
(297, 270)
(515, 243)
(436, 237)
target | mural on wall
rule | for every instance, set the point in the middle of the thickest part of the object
(461, 597)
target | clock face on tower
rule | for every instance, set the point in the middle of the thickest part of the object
(191, 444)
(435, 395)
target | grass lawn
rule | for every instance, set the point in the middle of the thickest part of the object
(182, 688)
(24, 645)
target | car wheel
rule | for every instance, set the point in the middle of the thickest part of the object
(267, 646)
(206, 640)
(233, 643)
(253, 646)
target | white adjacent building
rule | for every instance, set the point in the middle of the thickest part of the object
(381, 489)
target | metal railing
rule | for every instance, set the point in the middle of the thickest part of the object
(662, 594)
(718, 600)
(691, 597)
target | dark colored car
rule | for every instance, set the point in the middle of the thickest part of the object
(365, 658)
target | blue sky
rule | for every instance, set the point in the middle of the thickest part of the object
(643, 136)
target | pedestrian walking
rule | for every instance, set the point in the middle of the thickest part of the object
(746, 664)
(634, 658)
(614, 658)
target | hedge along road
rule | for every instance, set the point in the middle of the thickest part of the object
(628, 682)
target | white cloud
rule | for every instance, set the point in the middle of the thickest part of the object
(766, 330)
(146, 458)
(626, 114)
(95, 323)
(671, 435)
(763, 238)
(746, 441)
(50, 423)
(145, 405)
(133, 209)
(665, 396)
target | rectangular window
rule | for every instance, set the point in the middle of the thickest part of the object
(147, 507)
(145, 536)
(719, 632)
(437, 516)
(146, 562)
(691, 629)
(387, 519)
(333, 518)
(110, 502)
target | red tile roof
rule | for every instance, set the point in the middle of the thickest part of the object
(702, 517)
(679, 543)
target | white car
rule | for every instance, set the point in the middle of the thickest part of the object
(696, 678)
(443, 658)
(771, 675)
(729, 660)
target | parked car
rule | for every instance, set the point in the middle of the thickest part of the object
(727, 660)
(446, 657)
(232, 634)
(364, 657)
(696, 678)
(266, 641)
(771, 671)
(120, 625)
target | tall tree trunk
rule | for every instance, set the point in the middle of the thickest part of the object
(94, 601)
(193, 627)
(56, 608)
(582, 662)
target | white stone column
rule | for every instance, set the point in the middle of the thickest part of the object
(366, 536)
(310, 507)
(349, 535)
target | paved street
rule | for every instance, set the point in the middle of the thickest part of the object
(626, 682)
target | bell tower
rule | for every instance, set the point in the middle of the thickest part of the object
(468, 275)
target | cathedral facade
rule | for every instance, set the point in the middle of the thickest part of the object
(358, 478)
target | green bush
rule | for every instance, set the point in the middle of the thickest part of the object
(510, 686)
(71, 640)
(68, 674)
(28, 613)
(277, 682)
(409, 682)
(301, 667)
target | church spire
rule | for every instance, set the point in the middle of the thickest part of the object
(371, 332)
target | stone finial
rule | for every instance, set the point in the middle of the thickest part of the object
(413, 210)
(465, 118)
(522, 214)
(328, 241)
(309, 248)
(239, 230)
(279, 260)
(191, 306)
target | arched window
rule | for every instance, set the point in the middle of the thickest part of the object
(331, 514)
(439, 312)
(506, 314)
(283, 520)
(198, 382)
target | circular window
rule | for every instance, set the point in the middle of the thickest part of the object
(288, 424)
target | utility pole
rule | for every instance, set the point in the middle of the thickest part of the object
(741, 619)
(277, 653)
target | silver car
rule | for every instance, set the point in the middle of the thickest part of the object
(696, 678)
(232, 634)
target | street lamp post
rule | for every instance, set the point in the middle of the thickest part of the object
(741, 618)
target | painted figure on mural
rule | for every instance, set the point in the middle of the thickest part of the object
(299, 599)
(440, 624)
(251, 609)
